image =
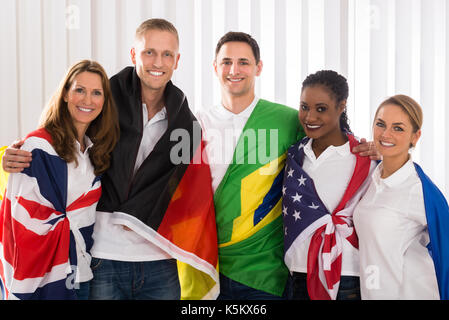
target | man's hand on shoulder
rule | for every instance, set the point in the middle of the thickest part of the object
(14, 159)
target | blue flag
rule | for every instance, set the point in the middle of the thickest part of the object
(437, 214)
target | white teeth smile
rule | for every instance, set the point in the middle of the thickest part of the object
(155, 73)
(235, 80)
(313, 127)
(85, 109)
(386, 144)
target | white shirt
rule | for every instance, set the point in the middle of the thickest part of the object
(221, 132)
(79, 179)
(391, 224)
(112, 241)
(153, 130)
(331, 174)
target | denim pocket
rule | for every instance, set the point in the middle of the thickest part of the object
(95, 263)
(349, 288)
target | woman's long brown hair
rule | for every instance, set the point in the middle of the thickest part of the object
(103, 131)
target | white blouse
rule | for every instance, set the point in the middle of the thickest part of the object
(79, 179)
(331, 173)
(391, 225)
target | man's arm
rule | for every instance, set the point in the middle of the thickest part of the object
(15, 160)
(367, 149)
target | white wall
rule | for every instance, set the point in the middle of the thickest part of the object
(383, 47)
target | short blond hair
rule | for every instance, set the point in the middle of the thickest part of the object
(156, 24)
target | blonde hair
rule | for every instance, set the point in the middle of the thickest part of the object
(410, 107)
(103, 131)
(156, 24)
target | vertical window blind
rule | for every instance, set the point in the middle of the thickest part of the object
(383, 47)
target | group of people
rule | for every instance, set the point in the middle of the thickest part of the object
(95, 208)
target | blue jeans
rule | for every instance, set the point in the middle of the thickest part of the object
(82, 293)
(233, 290)
(349, 288)
(123, 280)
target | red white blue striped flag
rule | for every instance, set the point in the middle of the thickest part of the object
(306, 216)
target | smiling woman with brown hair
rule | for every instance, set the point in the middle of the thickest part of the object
(49, 209)
(67, 121)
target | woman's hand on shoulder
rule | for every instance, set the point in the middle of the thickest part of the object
(367, 149)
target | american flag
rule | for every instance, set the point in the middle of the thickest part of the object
(306, 216)
(38, 256)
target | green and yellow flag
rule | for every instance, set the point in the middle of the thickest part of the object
(248, 202)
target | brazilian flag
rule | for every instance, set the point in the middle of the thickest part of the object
(248, 201)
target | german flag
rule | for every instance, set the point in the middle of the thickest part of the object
(189, 225)
(169, 200)
(186, 228)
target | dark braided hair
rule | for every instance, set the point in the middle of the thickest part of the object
(338, 87)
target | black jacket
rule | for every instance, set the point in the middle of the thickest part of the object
(147, 195)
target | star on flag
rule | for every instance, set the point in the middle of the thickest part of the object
(297, 215)
(302, 181)
(296, 197)
(313, 206)
(284, 211)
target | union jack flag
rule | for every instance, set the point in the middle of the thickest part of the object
(40, 231)
(306, 216)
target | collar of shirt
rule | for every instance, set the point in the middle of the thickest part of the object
(224, 113)
(396, 179)
(153, 130)
(161, 115)
(330, 151)
(88, 144)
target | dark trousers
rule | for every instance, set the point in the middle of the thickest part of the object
(122, 280)
(349, 288)
(233, 290)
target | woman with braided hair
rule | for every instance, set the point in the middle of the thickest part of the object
(322, 183)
